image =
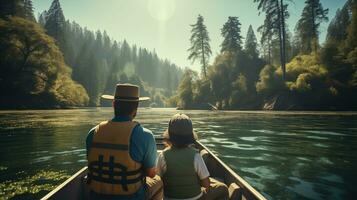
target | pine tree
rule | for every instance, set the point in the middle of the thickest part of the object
(42, 18)
(232, 41)
(337, 29)
(28, 10)
(267, 32)
(277, 12)
(200, 47)
(351, 41)
(312, 16)
(55, 23)
(20, 8)
(251, 45)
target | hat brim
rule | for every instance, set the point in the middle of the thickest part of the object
(111, 97)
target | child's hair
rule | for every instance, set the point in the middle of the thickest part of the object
(169, 143)
(180, 132)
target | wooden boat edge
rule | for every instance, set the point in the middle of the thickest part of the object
(244, 184)
(64, 184)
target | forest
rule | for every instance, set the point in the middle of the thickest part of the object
(51, 62)
(282, 71)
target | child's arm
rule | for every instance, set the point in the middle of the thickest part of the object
(202, 171)
(161, 165)
(205, 183)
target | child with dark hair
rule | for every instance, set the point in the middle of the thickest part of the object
(183, 171)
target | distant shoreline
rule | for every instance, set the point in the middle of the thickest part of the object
(180, 109)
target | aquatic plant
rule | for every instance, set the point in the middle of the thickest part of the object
(41, 182)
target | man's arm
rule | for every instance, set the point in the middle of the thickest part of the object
(149, 162)
(143, 148)
(89, 139)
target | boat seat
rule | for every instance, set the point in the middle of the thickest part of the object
(235, 192)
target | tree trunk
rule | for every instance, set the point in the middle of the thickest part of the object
(281, 29)
(283, 37)
(203, 59)
(314, 31)
(269, 51)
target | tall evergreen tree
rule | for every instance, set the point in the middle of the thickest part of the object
(312, 16)
(28, 10)
(267, 32)
(251, 46)
(350, 44)
(200, 47)
(337, 29)
(42, 18)
(277, 11)
(55, 23)
(20, 8)
(232, 41)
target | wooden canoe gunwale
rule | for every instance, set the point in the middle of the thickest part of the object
(80, 174)
(247, 188)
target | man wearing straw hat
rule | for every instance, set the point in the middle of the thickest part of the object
(121, 153)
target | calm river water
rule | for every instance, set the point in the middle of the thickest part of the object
(285, 155)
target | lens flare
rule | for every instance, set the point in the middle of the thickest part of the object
(161, 10)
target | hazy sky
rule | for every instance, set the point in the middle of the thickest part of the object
(163, 25)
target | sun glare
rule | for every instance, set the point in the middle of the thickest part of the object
(161, 10)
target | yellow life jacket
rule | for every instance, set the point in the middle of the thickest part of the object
(111, 169)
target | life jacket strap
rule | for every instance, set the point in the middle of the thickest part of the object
(96, 172)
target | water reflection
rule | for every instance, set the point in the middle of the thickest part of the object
(285, 155)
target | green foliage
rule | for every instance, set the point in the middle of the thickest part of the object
(251, 45)
(232, 39)
(20, 8)
(33, 69)
(239, 91)
(276, 16)
(98, 62)
(269, 82)
(305, 73)
(312, 16)
(55, 23)
(185, 89)
(230, 83)
(43, 181)
(221, 77)
(200, 48)
(351, 41)
(238, 80)
(267, 33)
(337, 29)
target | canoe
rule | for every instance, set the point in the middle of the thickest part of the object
(75, 187)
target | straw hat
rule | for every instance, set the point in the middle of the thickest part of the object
(126, 92)
(180, 130)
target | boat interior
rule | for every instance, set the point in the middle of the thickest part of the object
(75, 187)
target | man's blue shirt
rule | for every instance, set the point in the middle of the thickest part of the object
(142, 149)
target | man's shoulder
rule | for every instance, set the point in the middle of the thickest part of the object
(142, 131)
(92, 131)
